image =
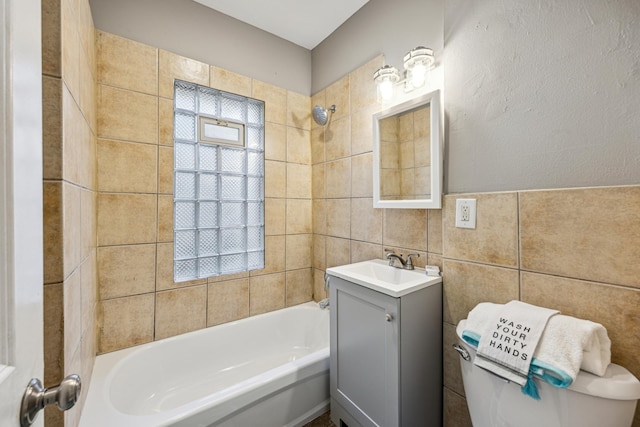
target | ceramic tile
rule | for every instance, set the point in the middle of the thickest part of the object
(319, 292)
(127, 64)
(467, 284)
(53, 231)
(362, 130)
(298, 181)
(126, 218)
(89, 294)
(275, 142)
(422, 152)
(165, 121)
(495, 238)
(339, 217)
(275, 99)
(70, 50)
(51, 38)
(53, 334)
(275, 179)
(298, 247)
(338, 94)
(455, 411)
(126, 167)
(317, 145)
(51, 127)
(298, 146)
(434, 231)
(338, 251)
(72, 307)
(298, 216)
(126, 270)
(172, 66)
(318, 179)
(366, 222)
(337, 139)
(227, 301)
(165, 218)
(88, 221)
(319, 252)
(73, 133)
(181, 310)
(363, 251)
(275, 216)
(275, 255)
(299, 287)
(319, 208)
(362, 90)
(266, 293)
(569, 232)
(126, 322)
(127, 115)
(362, 175)
(72, 227)
(615, 307)
(405, 228)
(338, 178)
(165, 170)
(229, 81)
(298, 111)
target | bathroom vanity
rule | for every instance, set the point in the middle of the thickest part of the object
(386, 346)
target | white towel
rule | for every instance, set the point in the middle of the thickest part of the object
(509, 339)
(568, 343)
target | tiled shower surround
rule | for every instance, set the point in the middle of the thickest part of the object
(575, 250)
(139, 300)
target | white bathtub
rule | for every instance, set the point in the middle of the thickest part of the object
(266, 370)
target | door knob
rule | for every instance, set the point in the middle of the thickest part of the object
(36, 397)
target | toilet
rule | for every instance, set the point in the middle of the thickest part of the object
(591, 401)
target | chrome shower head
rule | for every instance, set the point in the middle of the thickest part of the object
(321, 115)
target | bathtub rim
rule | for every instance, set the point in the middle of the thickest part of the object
(245, 392)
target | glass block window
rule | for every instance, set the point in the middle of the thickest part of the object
(218, 183)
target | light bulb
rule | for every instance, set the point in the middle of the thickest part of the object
(386, 89)
(418, 72)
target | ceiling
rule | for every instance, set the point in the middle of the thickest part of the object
(303, 22)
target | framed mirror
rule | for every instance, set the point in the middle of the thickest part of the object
(407, 155)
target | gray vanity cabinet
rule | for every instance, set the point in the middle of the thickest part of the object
(386, 357)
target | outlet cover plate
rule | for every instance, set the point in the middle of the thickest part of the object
(466, 213)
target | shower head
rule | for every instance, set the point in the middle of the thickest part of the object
(321, 115)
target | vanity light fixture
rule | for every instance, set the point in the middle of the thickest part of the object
(417, 62)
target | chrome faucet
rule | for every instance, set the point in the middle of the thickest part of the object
(392, 257)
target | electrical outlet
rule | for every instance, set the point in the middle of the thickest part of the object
(466, 213)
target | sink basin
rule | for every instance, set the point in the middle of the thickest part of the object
(376, 274)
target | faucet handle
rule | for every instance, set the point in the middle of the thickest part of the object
(388, 252)
(409, 265)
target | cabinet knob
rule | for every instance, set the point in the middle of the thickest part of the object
(388, 317)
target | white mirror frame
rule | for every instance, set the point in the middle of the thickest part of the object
(435, 202)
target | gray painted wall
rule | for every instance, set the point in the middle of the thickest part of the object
(195, 31)
(384, 27)
(541, 94)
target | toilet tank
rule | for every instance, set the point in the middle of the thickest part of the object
(591, 401)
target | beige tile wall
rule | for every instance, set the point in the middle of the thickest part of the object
(575, 250)
(346, 227)
(69, 192)
(138, 299)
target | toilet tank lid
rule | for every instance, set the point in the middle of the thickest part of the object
(617, 383)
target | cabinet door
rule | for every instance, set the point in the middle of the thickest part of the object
(364, 359)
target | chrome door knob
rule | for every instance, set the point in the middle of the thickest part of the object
(388, 317)
(36, 397)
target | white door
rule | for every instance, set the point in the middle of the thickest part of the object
(21, 277)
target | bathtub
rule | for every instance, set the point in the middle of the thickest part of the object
(266, 370)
